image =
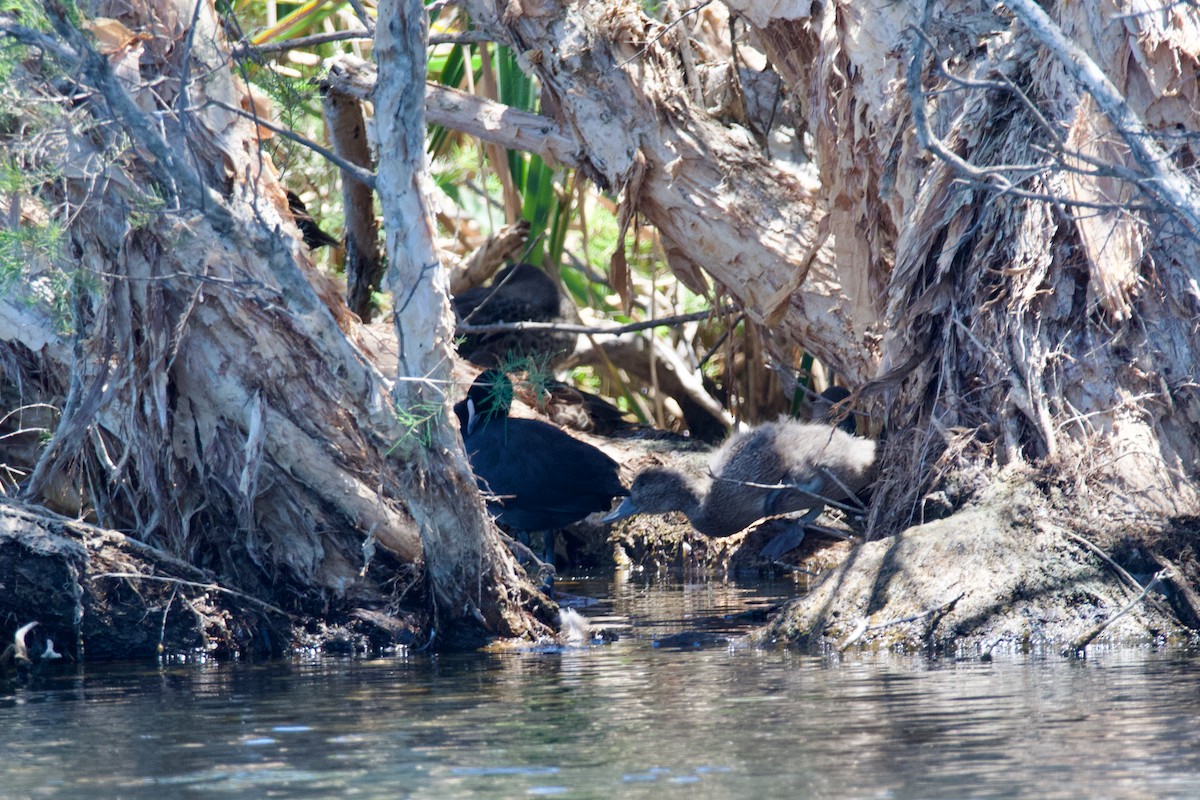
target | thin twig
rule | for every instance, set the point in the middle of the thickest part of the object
(360, 11)
(1114, 566)
(712, 351)
(1083, 641)
(464, 37)
(27, 407)
(667, 29)
(365, 177)
(562, 327)
(249, 48)
(209, 587)
(857, 508)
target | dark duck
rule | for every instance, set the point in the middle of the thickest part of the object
(518, 293)
(781, 467)
(534, 476)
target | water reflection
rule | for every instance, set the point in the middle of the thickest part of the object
(626, 719)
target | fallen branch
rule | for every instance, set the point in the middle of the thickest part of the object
(1083, 641)
(864, 627)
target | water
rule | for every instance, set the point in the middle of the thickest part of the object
(626, 719)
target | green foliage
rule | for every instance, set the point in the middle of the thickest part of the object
(420, 422)
(31, 257)
(28, 244)
(32, 13)
(573, 227)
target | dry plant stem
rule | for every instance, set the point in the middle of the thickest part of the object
(1083, 641)
(864, 627)
(496, 155)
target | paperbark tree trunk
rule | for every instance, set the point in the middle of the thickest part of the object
(1032, 277)
(1037, 312)
(216, 405)
(471, 573)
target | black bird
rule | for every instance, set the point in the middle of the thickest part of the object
(314, 237)
(536, 477)
(518, 293)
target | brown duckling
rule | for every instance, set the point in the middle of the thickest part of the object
(777, 468)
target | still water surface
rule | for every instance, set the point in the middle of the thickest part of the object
(625, 719)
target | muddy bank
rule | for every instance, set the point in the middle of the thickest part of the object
(97, 594)
(1008, 571)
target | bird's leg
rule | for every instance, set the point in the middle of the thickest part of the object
(790, 539)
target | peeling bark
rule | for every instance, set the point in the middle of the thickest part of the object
(470, 570)
(215, 405)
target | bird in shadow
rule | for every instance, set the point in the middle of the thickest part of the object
(314, 237)
(518, 293)
(535, 477)
(825, 409)
(783, 467)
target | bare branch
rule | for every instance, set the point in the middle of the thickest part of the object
(562, 327)
(499, 124)
(365, 177)
(1165, 182)
(172, 173)
(1083, 641)
(484, 119)
(248, 48)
